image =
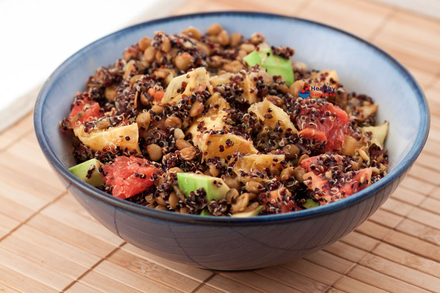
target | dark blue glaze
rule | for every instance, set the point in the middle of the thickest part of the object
(244, 243)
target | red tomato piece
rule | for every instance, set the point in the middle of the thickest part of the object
(128, 176)
(328, 189)
(157, 95)
(329, 122)
(278, 201)
(83, 111)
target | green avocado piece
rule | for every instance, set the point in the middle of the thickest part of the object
(275, 65)
(310, 203)
(214, 187)
(88, 172)
(205, 213)
(255, 212)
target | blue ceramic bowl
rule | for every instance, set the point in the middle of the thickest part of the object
(249, 243)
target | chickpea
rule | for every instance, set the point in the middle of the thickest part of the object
(181, 144)
(183, 61)
(175, 170)
(242, 54)
(150, 54)
(257, 38)
(252, 196)
(166, 44)
(286, 174)
(214, 29)
(234, 67)
(232, 182)
(254, 187)
(135, 78)
(302, 158)
(277, 101)
(299, 174)
(102, 124)
(300, 66)
(192, 32)
(110, 92)
(173, 122)
(240, 204)
(173, 200)
(129, 69)
(284, 88)
(143, 120)
(291, 151)
(157, 109)
(213, 170)
(252, 207)
(235, 39)
(150, 199)
(160, 56)
(154, 152)
(215, 61)
(246, 47)
(188, 153)
(144, 43)
(223, 38)
(296, 87)
(196, 109)
(232, 195)
(178, 133)
(144, 100)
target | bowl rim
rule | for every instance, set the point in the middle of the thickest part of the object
(127, 206)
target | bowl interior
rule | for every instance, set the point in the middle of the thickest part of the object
(361, 67)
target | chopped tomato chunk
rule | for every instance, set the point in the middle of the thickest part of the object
(84, 110)
(128, 176)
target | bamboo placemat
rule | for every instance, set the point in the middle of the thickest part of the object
(49, 243)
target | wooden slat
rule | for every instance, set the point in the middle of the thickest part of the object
(382, 281)
(22, 283)
(413, 40)
(417, 185)
(81, 288)
(42, 257)
(71, 235)
(105, 284)
(408, 196)
(33, 270)
(258, 282)
(295, 281)
(330, 261)
(153, 271)
(82, 223)
(395, 270)
(420, 231)
(408, 259)
(436, 193)
(374, 230)
(186, 270)
(346, 251)
(56, 246)
(129, 278)
(425, 217)
(352, 285)
(364, 17)
(414, 245)
(386, 218)
(16, 131)
(227, 285)
(208, 289)
(360, 241)
(313, 271)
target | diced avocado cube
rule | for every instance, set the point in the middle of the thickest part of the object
(214, 187)
(275, 65)
(88, 172)
(310, 203)
(205, 213)
(253, 213)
